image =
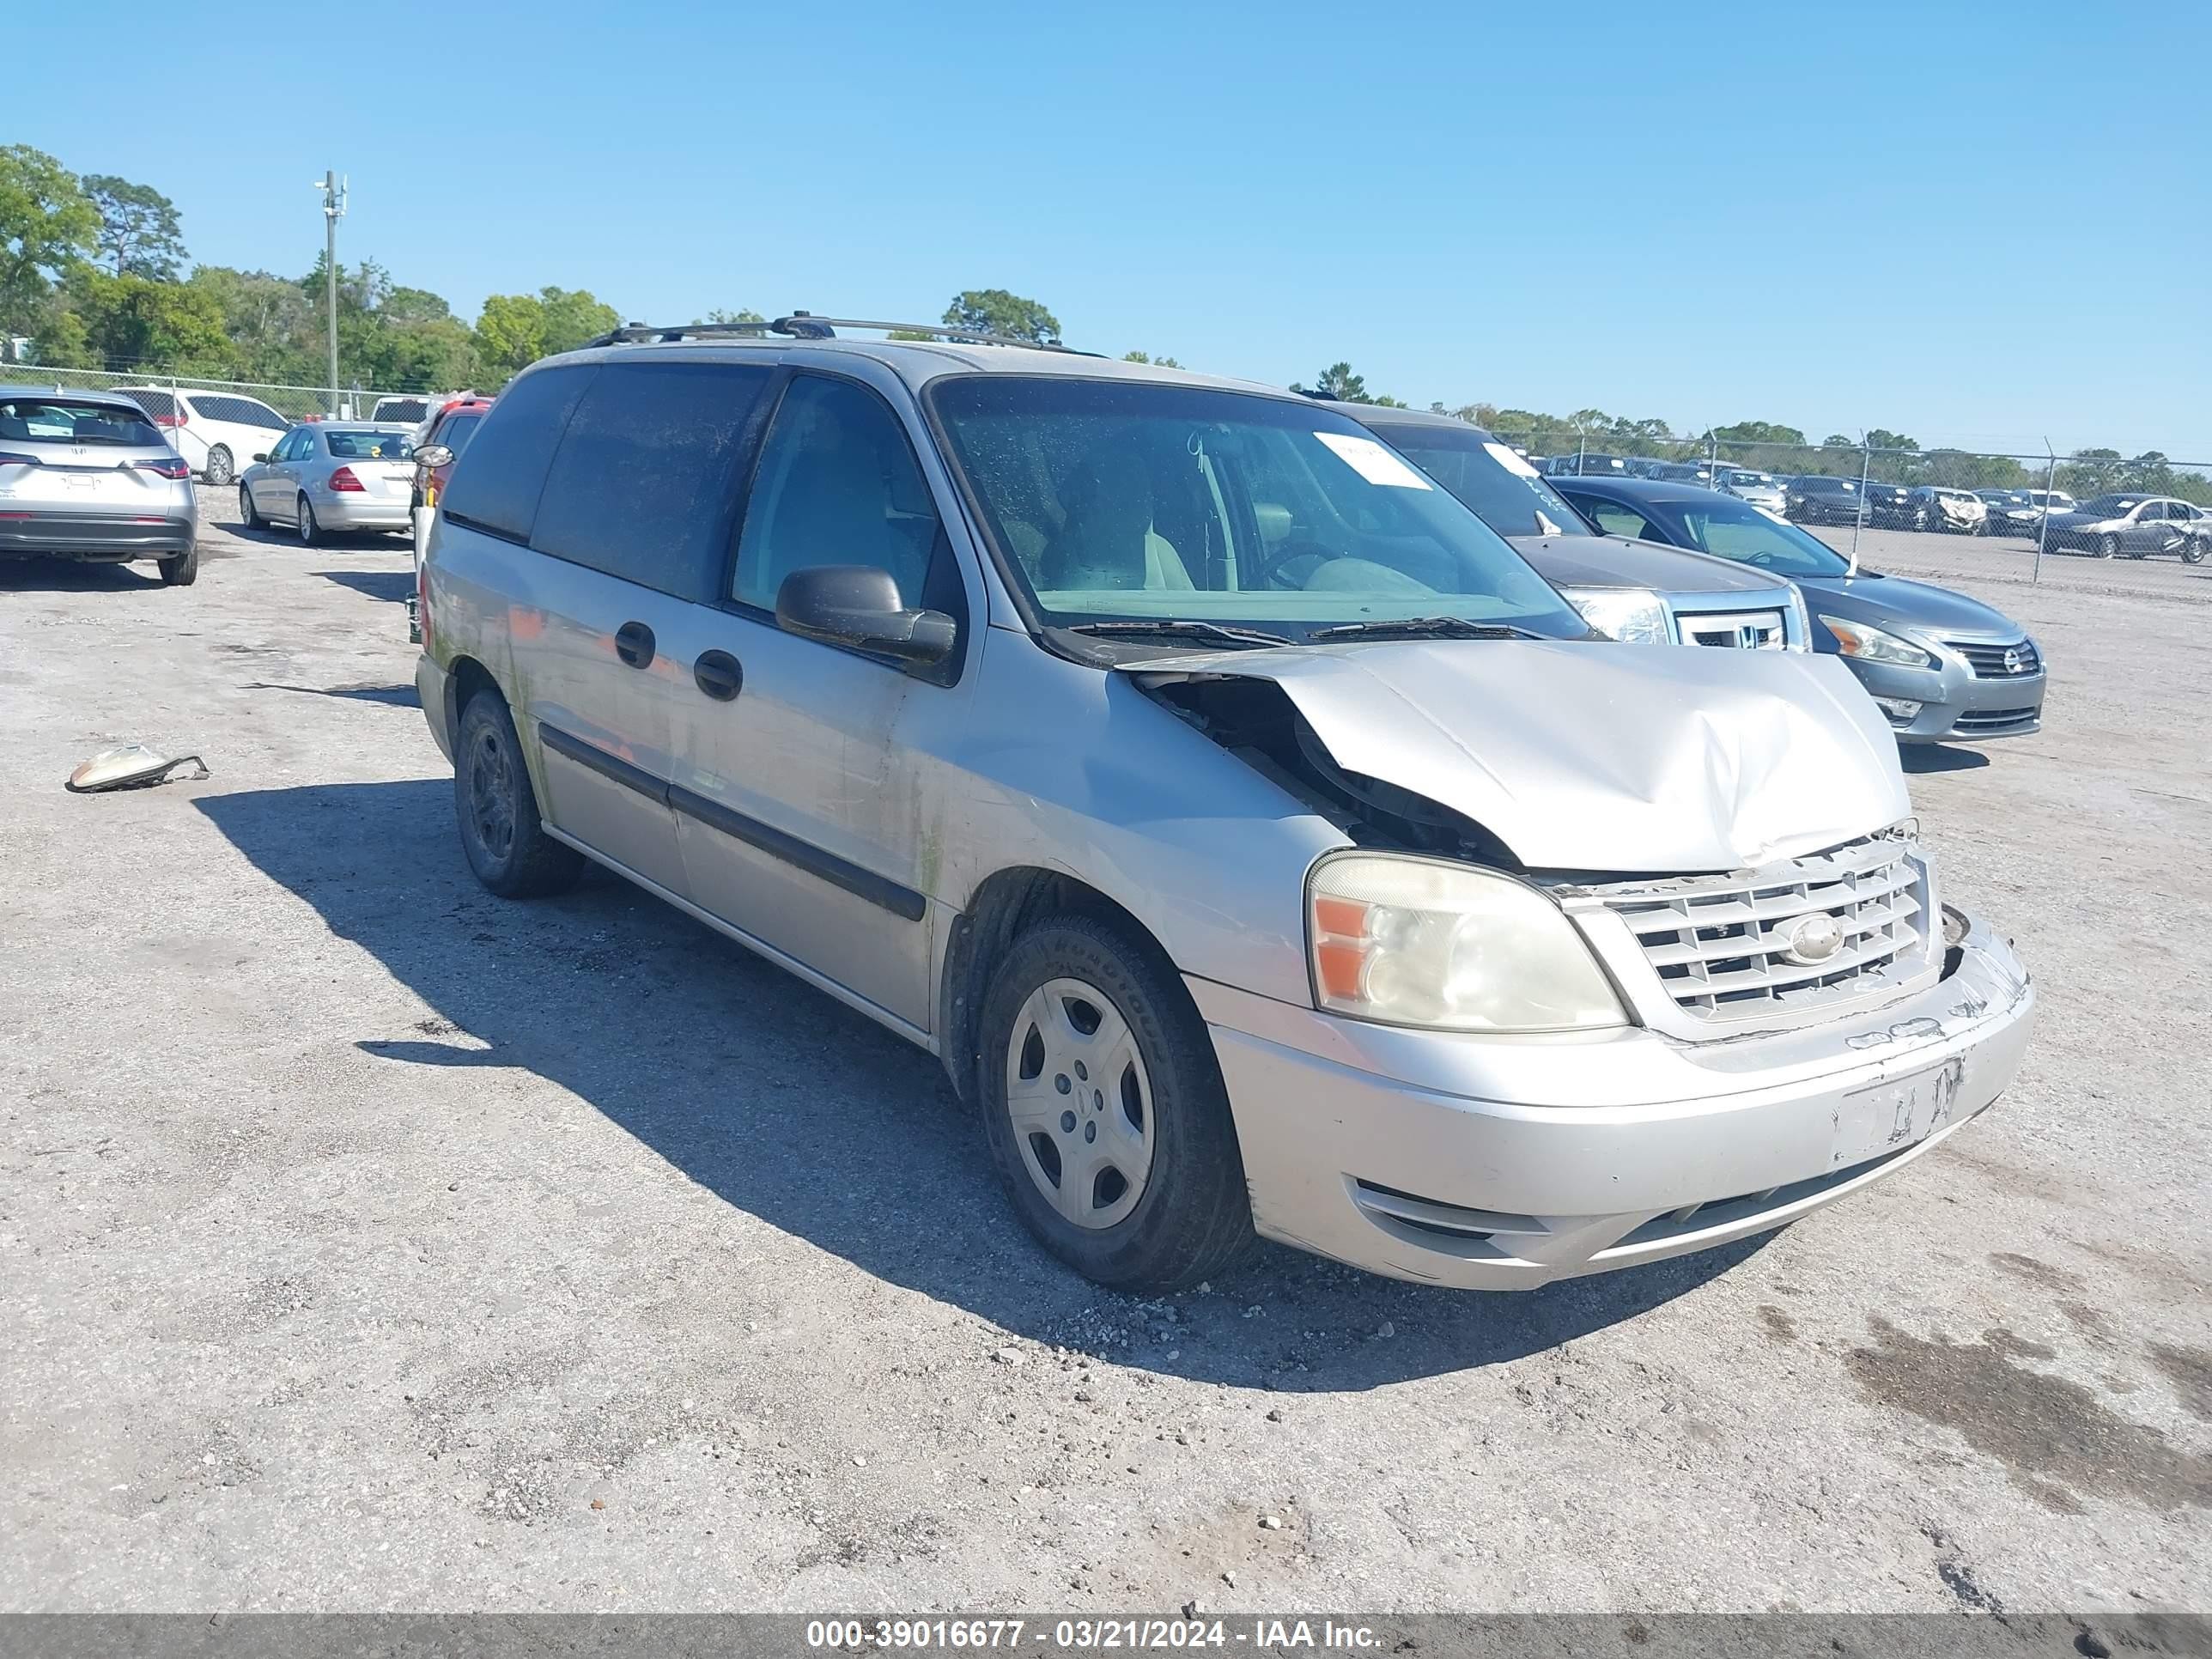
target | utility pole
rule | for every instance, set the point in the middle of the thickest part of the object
(334, 207)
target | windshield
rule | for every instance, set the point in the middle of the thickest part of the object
(1746, 480)
(369, 445)
(1741, 532)
(1505, 491)
(60, 420)
(1142, 500)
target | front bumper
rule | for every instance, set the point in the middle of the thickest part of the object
(1956, 705)
(33, 534)
(1505, 1162)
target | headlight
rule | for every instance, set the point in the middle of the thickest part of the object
(1412, 941)
(1871, 644)
(1631, 614)
(1800, 638)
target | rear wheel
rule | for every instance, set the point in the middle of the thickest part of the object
(501, 833)
(1106, 1112)
(2107, 545)
(310, 532)
(182, 570)
(220, 469)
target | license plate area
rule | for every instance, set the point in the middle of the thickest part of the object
(1892, 1115)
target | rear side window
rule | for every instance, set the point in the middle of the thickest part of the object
(641, 483)
(158, 404)
(498, 490)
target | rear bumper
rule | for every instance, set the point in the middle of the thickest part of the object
(93, 535)
(1504, 1163)
(343, 510)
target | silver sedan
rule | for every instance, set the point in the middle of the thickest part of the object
(328, 476)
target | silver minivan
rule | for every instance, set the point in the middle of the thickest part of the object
(1261, 845)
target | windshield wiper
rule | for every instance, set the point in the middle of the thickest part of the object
(1421, 627)
(1168, 628)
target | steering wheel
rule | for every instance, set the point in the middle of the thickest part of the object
(1297, 547)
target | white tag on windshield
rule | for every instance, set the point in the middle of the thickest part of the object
(1512, 463)
(1372, 462)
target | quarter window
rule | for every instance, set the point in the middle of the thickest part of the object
(838, 485)
(498, 491)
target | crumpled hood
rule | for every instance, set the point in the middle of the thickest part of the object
(1636, 759)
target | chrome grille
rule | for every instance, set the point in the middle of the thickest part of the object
(1726, 947)
(1747, 630)
(1998, 662)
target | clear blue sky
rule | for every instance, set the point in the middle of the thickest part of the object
(1971, 223)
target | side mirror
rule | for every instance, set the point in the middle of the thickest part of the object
(433, 456)
(260, 454)
(858, 604)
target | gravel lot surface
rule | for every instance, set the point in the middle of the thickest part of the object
(372, 1244)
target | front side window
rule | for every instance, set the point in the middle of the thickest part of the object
(1137, 501)
(1616, 520)
(1749, 536)
(837, 484)
(1502, 490)
(250, 413)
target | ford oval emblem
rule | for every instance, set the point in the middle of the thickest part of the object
(1811, 940)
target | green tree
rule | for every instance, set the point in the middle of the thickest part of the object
(994, 311)
(1147, 357)
(745, 315)
(1880, 438)
(46, 225)
(510, 334)
(573, 316)
(140, 234)
(133, 322)
(1339, 383)
(274, 332)
(1757, 432)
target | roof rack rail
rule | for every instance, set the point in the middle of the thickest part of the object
(806, 325)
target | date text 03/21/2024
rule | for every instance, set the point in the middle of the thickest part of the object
(1081, 1635)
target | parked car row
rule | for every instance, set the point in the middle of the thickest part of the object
(1217, 795)
(1686, 565)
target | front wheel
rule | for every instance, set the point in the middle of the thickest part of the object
(310, 532)
(2107, 545)
(1105, 1111)
(501, 832)
(220, 469)
(182, 570)
(248, 513)
(2193, 551)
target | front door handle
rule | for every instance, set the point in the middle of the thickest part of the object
(720, 675)
(634, 644)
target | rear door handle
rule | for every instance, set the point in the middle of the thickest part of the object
(634, 644)
(720, 675)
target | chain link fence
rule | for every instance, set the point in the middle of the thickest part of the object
(295, 402)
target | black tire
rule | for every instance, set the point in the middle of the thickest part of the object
(182, 570)
(2107, 545)
(496, 808)
(2193, 550)
(248, 513)
(1193, 1220)
(310, 533)
(220, 469)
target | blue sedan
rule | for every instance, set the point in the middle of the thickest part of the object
(1942, 665)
